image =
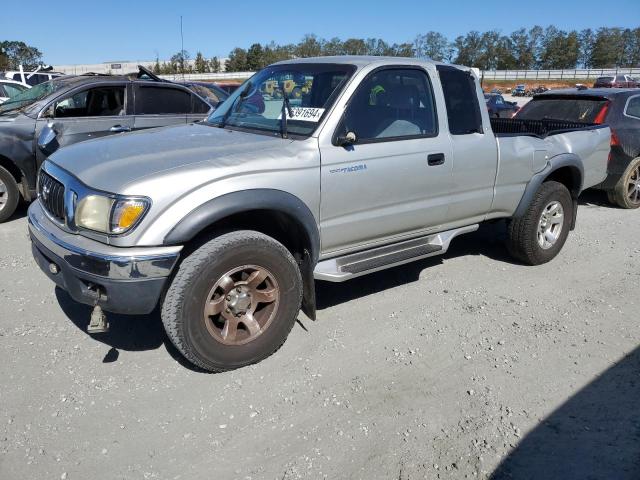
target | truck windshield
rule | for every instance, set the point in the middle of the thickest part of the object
(572, 109)
(30, 96)
(310, 88)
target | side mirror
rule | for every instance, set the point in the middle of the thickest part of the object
(47, 140)
(347, 139)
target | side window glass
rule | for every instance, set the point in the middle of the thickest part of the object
(162, 100)
(35, 80)
(499, 101)
(199, 106)
(633, 107)
(461, 99)
(392, 104)
(96, 102)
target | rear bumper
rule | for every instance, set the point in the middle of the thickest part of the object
(121, 280)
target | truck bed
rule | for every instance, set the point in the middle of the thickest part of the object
(539, 128)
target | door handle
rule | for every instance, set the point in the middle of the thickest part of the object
(119, 129)
(435, 159)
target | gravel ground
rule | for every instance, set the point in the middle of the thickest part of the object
(465, 366)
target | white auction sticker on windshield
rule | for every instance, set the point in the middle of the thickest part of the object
(304, 114)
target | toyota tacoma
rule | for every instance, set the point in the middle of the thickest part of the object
(225, 224)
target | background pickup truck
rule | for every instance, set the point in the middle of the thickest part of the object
(226, 223)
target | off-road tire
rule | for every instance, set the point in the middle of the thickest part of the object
(522, 241)
(182, 307)
(11, 196)
(620, 195)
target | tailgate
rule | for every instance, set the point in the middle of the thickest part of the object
(592, 145)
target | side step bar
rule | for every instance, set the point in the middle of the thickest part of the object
(357, 264)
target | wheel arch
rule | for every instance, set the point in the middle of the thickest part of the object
(15, 171)
(566, 169)
(275, 213)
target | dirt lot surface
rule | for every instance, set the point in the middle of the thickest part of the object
(466, 366)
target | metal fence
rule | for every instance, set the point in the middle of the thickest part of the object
(207, 76)
(558, 74)
(574, 74)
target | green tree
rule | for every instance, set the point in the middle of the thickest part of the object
(432, 45)
(19, 53)
(309, 47)
(156, 66)
(237, 61)
(200, 63)
(469, 49)
(4, 61)
(179, 61)
(332, 47)
(525, 47)
(560, 49)
(631, 56)
(255, 57)
(354, 46)
(586, 39)
(214, 65)
(608, 48)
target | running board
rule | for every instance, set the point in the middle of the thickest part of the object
(354, 265)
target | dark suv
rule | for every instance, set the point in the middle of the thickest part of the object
(72, 109)
(618, 81)
(620, 109)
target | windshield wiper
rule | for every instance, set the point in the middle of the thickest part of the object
(286, 108)
(240, 98)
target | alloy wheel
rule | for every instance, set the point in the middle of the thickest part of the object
(241, 305)
(633, 186)
(550, 225)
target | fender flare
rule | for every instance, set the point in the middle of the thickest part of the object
(563, 160)
(229, 204)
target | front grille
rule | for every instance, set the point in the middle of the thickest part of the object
(51, 195)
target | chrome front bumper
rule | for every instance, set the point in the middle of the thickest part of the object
(128, 280)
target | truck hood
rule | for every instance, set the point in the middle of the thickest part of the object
(113, 163)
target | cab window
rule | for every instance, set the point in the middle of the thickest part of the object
(392, 104)
(95, 102)
(461, 99)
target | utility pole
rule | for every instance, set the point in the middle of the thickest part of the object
(182, 48)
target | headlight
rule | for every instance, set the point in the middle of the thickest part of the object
(108, 214)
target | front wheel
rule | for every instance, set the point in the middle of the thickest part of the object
(539, 235)
(233, 301)
(9, 195)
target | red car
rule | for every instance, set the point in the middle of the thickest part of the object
(619, 81)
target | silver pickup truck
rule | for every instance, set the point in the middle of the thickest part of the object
(314, 169)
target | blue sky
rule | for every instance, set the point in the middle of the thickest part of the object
(92, 32)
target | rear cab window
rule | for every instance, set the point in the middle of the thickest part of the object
(461, 99)
(572, 109)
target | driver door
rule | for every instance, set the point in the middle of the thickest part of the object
(393, 181)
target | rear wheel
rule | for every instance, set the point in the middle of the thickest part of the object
(9, 195)
(626, 193)
(233, 301)
(539, 235)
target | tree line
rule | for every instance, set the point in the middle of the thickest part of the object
(524, 49)
(181, 63)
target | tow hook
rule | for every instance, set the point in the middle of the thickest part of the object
(98, 322)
